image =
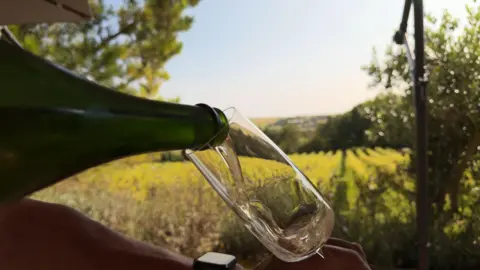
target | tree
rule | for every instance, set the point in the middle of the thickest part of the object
(452, 65)
(390, 115)
(123, 48)
(274, 133)
(340, 132)
(290, 138)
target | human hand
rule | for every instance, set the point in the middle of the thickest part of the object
(44, 236)
(338, 255)
(37, 235)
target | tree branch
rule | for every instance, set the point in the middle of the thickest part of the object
(109, 38)
(125, 84)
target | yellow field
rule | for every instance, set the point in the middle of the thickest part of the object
(262, 122)
(172, 205)
(138, 175)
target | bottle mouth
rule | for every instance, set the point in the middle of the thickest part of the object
(222, 119)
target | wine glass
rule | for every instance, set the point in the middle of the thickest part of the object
(275, 200)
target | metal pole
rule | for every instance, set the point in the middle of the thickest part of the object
(423, 203)
(417, 68)
(411, 61)
(399, 37)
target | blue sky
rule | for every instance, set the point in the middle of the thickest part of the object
(285, 57)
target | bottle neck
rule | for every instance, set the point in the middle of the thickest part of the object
(33, 82)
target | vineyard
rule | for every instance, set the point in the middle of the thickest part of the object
(140, 175)
(171, 204)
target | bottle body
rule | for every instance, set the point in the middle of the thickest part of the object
(56, 124)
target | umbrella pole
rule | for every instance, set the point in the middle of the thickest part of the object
(422, 204)
(417, 68)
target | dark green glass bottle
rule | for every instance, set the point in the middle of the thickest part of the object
(55, 124)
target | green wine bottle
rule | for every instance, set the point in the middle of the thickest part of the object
(55, 124)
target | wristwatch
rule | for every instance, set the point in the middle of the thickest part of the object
(215, 261)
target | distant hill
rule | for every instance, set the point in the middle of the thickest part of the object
(305, 123)
(263, 122)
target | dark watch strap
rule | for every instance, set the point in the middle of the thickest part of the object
(215, 261)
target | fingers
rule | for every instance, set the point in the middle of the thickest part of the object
(336, 257)
(342, 243)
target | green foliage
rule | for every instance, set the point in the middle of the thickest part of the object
(172, 156)
(375, 207)
(452, 65)
(340, 132)
(289, 137)
(274, 133)
(123, 48)
(452, 68)
(389, 115)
